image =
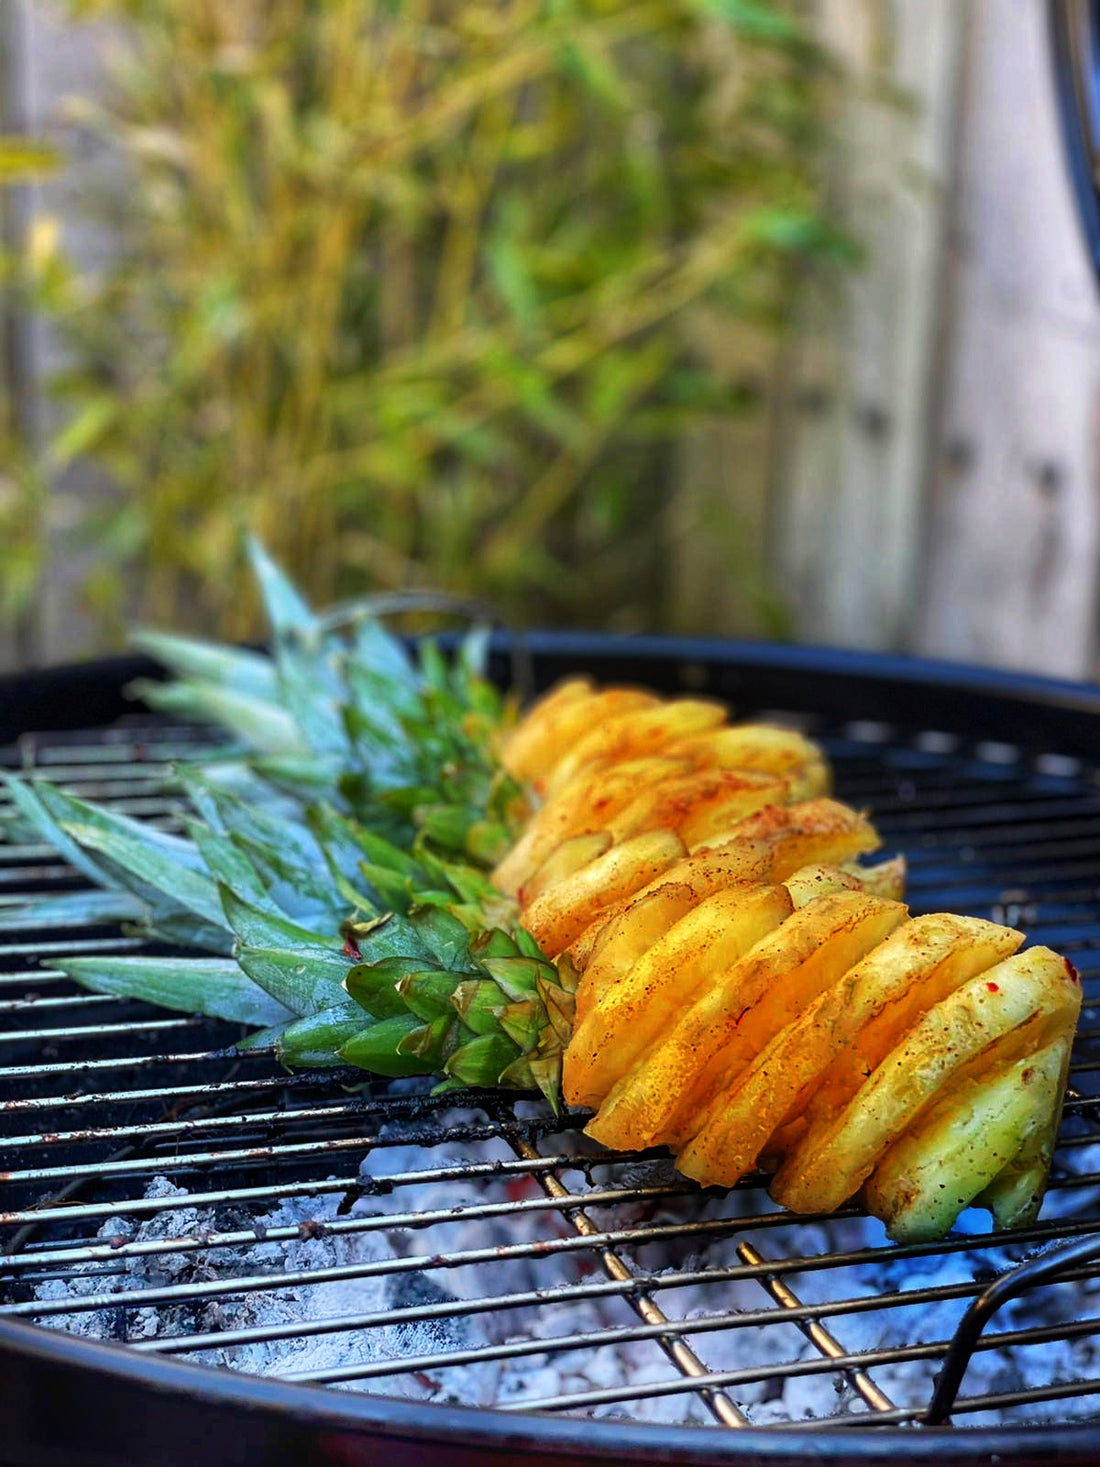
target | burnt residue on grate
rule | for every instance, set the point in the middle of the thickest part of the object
(347, 1234)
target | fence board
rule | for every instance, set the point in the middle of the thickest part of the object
(851, 486)
(1012, 555)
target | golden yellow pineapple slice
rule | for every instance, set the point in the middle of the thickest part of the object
(1013, 1009)
(558, 917)
(764, 748)
(588, 802)
(829, 1049)
(565, 859)
(820, 831)
(965, 1141)
(637, 733)
(702, 874)
(555, 724)
(661, 1097)
(642, 1003)
(694, 804)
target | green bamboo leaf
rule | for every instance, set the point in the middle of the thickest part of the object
(596, 69)
(212, 986)
(82, 432)
(756, 20)
(507, 262)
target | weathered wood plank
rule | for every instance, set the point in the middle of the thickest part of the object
(850, 485)
(1014, 538)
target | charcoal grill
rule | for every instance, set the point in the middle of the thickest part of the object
(462, 1237)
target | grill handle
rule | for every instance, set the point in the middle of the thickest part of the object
(1041, 1270)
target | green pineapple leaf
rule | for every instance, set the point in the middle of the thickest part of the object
(337, 866)
(376, 1048)
(287, 611)
(317, 1039)
(373, 986)
(177, 881)
(482, 1060)
(213, 986)
(303, 981)
(250, 673)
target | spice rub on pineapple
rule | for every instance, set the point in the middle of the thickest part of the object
(764, 1000)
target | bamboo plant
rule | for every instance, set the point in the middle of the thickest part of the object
(408, 287)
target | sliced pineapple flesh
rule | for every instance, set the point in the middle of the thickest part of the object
(764, 999)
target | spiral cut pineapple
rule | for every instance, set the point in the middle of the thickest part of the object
(680, 929)
(750, 997)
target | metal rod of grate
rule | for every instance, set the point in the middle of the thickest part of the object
(209, 1206)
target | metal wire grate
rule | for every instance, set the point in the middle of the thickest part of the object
(214, 1208)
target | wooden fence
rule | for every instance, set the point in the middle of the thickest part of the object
(924, 474)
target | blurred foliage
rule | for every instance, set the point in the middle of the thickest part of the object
(406, 286)
(23, 285)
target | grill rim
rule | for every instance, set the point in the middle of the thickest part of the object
(255, 1402)
(1030, 712)
(1041, 712)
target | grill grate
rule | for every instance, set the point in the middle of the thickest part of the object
(215, 1209)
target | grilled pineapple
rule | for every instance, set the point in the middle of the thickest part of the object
(402, 876)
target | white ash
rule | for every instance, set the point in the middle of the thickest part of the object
(536, 1377)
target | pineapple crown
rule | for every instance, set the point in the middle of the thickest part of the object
(334, 866)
